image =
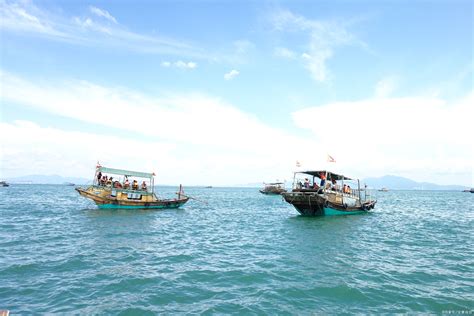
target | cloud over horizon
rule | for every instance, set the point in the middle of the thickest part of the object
(322, 40)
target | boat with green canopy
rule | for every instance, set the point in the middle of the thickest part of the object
(126, 192)
(322, 192)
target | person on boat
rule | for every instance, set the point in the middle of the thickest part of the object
(315, 186)
(126, 184)
(322, 175)
(117, 185)
(103, 180)
(306, 183)
(344, 188)
(349, 190)
(135, 185)
(109, 181)
(99, 176)
(334, 186)
(144, 186)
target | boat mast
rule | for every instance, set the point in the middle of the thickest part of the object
(95, 177)
(342, 190)
(152, 182)
(358, 185)
(325, 182)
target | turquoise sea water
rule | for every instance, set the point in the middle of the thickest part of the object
(243, 253)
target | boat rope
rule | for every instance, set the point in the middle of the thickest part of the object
(192, 198)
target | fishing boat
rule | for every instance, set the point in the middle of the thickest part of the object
(275, 188)
(332, 197)
(126, 193)
(383, 190)
(4, 184)
(469, 190)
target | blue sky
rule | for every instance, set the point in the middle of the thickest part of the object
(226, 92)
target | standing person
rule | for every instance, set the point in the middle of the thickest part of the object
(306, 183)
(322, 176)
(144, 186)
(99, 176)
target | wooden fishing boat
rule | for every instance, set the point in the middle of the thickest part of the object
(331, 197)
(275, 188)
(109, 193)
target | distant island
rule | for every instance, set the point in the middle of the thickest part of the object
(48, 179)
(400, 183)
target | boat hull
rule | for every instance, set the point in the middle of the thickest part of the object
(272, 192)
(313, 204)
(106, 202)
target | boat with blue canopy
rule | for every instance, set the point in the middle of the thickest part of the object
(322, 192)
(126, 192)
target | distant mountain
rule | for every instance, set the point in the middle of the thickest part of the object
(47, 179)
(400, 183)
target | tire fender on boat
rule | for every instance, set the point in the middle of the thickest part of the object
(326, 203)
(344, 206)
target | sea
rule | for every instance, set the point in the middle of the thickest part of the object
(234, 251)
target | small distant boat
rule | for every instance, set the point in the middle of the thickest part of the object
(112, 194)
(209, 187)
(469, 190)
(69, 184)
(333, 197)
(275, 188)
(4, 184)
(383, 190)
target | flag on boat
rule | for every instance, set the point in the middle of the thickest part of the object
(298, 164)
(330, 159)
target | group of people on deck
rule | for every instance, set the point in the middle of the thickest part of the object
(109, 182)
(333, 186)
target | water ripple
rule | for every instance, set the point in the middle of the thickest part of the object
(242, 253)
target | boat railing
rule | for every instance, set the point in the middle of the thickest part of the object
(108, 187)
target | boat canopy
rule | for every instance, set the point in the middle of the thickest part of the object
(331, 175)
(127, 173)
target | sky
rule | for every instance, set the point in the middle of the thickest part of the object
(235, 92)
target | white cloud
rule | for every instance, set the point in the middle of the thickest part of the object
(323, 38)
(180, 64)
(417, 137)
(231, 74)
(285, 53)
(46, 150)
(385, 87)
(102, 13)
(198, 139)
(211, 144)
(25, 17)
(185, 65)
